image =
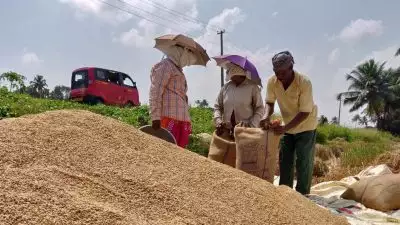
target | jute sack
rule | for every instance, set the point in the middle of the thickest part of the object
(380, 193)
(222, 149)
(257, 152)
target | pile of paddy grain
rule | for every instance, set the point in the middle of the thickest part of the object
(76, 167)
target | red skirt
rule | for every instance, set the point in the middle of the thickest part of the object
(180, 129)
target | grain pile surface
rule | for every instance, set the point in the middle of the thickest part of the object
(76, 167)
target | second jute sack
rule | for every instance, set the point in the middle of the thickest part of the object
(223, 149)
(257, 152)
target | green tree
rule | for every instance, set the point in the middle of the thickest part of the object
(38, 87)
(323, 120)
(15, 80)
(335, 120)
(202, 103)
(362, 120)
(60, 92)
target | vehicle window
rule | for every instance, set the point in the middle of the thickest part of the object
(79, 79)
(128, 82)
(113, 77)
(101, 75)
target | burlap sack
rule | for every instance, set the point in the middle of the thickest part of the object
(356, 190)
(380, 193)
(222, 149)
(257, 152)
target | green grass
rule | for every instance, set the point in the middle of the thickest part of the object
(330, 132)
(362, 154)
(360, 145)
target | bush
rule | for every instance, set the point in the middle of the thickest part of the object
(335, 131)
(321, 138)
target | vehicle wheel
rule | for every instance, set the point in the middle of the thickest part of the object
(97, 101)
(128, 105)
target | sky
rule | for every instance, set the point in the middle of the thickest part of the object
(327, 39)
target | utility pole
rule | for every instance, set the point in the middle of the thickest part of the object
(221, 34)
(340, 107)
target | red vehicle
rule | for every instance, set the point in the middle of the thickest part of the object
(102, 86)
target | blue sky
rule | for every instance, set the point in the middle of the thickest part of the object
(327, 38)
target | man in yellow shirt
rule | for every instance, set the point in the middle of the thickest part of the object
(293, 92)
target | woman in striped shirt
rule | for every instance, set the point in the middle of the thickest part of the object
(168, 101)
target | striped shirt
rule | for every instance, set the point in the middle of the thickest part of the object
(168, 92)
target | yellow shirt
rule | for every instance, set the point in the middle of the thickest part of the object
(296, 98)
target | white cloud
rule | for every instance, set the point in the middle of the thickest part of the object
(160, 21)
(334, 55)
(274, 14)
(85, 5)
(386, 54)
(360, 28)
(138, 37)
(162, 12)
(30, 58)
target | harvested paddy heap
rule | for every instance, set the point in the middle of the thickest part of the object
(76, 167)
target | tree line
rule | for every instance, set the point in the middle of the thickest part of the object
(37, 87)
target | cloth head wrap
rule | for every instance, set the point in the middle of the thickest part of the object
(235, 70)
(282, 59)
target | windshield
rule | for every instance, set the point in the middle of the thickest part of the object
(79, 79)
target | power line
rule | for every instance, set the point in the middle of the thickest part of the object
(177, 13)
(135, 14)
(147, 19)
(155, 15)
(155, 22)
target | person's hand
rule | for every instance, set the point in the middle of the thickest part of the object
(279, 129)
(156, 124)
(244, 124)
(265, 123)
(219, 129)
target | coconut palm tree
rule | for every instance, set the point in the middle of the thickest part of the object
(362, 120)
(371, 86)
(38, 86)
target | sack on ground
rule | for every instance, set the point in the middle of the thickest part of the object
(257, 152)
(222, 149)
(379, 192)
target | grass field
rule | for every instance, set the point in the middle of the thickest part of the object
(360, 146)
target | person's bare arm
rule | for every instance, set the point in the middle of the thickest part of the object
(266, 119)
(269, 109)
(269, 105)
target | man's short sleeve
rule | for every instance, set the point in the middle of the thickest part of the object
(271, 96)
(306, 102)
